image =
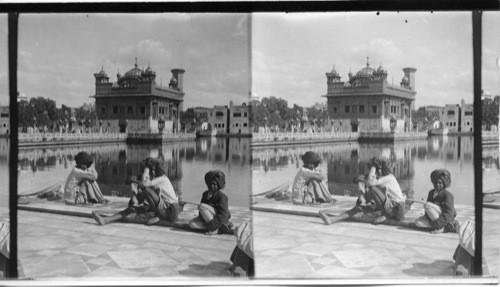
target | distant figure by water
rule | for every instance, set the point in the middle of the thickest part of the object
(81, 186)
(308, 186)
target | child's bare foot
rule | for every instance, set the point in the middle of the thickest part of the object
(153, 220)
(325, 218)
(437, 231)
(98, 218)
(213, 232)
(380, 219)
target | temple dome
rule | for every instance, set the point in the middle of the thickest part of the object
(366, 72)
(133, 73)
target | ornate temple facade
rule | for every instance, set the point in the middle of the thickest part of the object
(135, 103)
(367, 102)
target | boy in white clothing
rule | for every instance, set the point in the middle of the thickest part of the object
(380, 189)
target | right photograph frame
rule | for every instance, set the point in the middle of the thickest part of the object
(363, 146)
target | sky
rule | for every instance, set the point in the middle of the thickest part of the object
(491, 52)
(59, 53)
(4, 63)
(292, 52)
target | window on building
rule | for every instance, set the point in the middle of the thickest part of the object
(347, 109)
(130, 110)
(245, 124)
(142, 110)
(219, 114)
(334, 110)
(347, 169)
(468, 113)
(103, 111)
(236, 124)
(237, 115)
(451, 113)
(245, 115)
(374, 110)
(222, 125)
(361, 109)
(115, 110)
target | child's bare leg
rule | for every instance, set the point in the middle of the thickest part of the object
(379, 198)
(115, 217)
(343, 216)
(153, 199)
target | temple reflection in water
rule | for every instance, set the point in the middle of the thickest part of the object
(115, 162)
(344, 161)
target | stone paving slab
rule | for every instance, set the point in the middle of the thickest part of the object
(59, 247)
(286, 233)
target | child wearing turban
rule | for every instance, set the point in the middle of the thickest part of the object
(308, 186)
(213, 210)
(439, 209)
(81, 186)
(379, 189)
(153, 192)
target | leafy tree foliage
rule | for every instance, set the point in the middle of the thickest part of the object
(42, 112)
(490, 111)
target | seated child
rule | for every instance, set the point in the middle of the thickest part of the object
(308, 185)
(439, 209)
(81, 186)
(153, 193)
(213, 210)
(380, 189)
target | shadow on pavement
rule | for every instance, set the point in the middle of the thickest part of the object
(436, 268)
(219, 268)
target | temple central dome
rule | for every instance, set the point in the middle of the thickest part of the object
(135, 72)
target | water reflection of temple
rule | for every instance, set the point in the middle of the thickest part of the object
(4, 150)
(345, 161)
(115, 162)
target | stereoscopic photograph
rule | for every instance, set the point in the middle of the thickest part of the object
(134, 146)
(218, 148)
(363, 155)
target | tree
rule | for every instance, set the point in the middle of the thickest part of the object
(490, 111)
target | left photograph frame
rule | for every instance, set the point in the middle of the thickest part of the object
(158, 153)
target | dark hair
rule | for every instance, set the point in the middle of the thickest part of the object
(311, 158)
(216, 175)
(381, 163)
(83, 158)
(155, 167)
(442, 174)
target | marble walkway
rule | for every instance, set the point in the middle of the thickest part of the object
(302, 246)
(61, 247)
(287, 246)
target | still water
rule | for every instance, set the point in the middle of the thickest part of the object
(186, 164)
(413, 163)
(4, 172)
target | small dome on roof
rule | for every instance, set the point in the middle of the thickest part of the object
(381, 69)
(134, 72)
(366, 72)
(405, 80)
(173, 80)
